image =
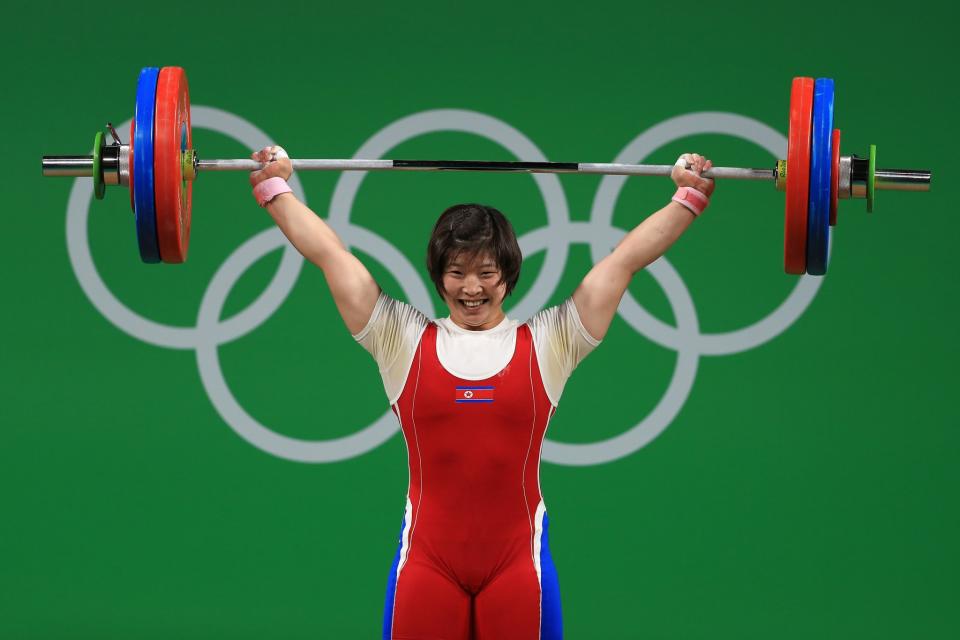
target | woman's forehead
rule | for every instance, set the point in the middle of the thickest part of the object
(464, 260)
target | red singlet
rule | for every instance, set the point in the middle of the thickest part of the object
(470, 563)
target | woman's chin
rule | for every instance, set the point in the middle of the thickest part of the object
(482, 318)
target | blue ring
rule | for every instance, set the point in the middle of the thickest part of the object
(821, 165)
(144, 204)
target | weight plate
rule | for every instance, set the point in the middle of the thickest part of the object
(99, 188)
(172, 137)
(821, 163)
(798, 176)
(871, 178)
(835, 178)
(143, 193)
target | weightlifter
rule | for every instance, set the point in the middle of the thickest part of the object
(474, 393)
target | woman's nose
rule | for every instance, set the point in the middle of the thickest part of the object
(471, 285)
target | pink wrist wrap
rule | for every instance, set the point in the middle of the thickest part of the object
(269, 189)
(691, 199)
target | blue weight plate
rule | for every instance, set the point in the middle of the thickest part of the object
(821, 166)
(144, 203)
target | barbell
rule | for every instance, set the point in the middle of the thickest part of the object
(160, 165)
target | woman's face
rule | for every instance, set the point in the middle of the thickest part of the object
(472, 292)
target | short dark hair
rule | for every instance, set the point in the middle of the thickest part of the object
(473, 230)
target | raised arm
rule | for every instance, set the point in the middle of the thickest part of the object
(599, 294)
(354, 290)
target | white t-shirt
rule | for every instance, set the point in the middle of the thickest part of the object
(394, 330)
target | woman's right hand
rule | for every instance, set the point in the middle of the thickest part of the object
(690, 177)
(276, 164)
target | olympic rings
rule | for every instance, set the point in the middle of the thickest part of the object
(210, 331)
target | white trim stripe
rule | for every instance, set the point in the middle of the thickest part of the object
(537, 546)
(406, 537)
(408, 509)
(404, 551)
(538, 542)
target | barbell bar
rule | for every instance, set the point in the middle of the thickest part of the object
(160, 152)
(886, 179)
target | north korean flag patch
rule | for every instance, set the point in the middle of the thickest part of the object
(474, 394)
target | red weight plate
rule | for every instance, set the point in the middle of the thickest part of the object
(171, 137)
(798, 176)
(835, 178)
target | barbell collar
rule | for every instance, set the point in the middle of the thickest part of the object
(845, 181)
(110, 164)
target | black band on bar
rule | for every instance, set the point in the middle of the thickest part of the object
(477, 165)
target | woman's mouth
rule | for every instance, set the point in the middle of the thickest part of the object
(473, 304)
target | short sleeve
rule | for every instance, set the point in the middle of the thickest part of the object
(391, 337)
(561, 343)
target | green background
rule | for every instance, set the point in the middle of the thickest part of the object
(808, 487)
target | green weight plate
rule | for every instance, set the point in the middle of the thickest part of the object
(99, 188)
(871, 178)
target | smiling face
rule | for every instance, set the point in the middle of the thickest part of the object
(474, 262)
(474, 291)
